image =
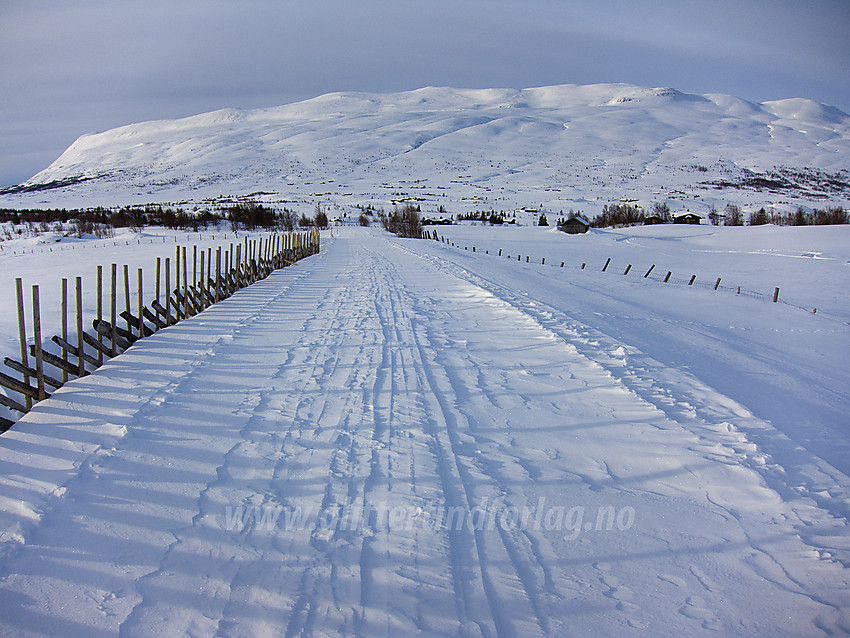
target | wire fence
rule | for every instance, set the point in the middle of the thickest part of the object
(654, 274)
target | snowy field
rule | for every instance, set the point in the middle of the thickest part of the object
(399, 436)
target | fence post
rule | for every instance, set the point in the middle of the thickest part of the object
(649, 271)
(64, 311)
(203, 285)
(776, 295)
(209, 268)
(177, 309)
(36, 329)
(22, 334)
(185, 286)
(167, 289)
(99, 313)
(628, 268)
(667, 278)
(127, 296)
(239, 266)
(605, 267)
(218, 274)
(691, 282)
(717, 284)
(81, 364)
(113, 313)
(141, 303)
(157, 296)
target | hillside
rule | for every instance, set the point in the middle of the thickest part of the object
(558, 147)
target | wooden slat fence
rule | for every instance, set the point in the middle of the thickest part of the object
(236, 267)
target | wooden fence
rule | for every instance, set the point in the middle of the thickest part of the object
(175, 299)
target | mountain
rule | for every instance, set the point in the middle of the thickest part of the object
(558, 147)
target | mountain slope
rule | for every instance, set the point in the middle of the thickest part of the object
(495, 148)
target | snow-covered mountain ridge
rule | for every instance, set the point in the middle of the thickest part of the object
(555, 147)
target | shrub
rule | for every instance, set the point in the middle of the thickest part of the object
(619, 215)
(404, 222)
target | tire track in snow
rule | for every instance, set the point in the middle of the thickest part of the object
(396, 328)
(440, 397)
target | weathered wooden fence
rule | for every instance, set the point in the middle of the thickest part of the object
(175, 298)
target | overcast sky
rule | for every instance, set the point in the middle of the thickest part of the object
(69, 68)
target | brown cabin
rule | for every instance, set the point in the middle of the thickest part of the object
(575, 225)
(687, 218)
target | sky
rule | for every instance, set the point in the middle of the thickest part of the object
(71, 68)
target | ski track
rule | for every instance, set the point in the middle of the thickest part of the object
(378, 386)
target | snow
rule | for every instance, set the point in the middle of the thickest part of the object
(558, 147)
(405, 436)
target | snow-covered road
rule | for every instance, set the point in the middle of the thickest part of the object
(378, 442)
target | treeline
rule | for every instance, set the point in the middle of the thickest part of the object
(127, 217)
(614, 215)
(733, 216)
(247, 215)
(492, 217)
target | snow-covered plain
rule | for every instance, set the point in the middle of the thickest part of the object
(402, 436)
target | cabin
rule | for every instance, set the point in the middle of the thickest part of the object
(652, 220)
(575, 225)
(687, 218)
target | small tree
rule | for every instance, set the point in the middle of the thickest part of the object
(305, 222)
(363, 220)
(288, 219)
(733, 215)
(543, 221)
(759, 217)
(321, 218)
(714, 216)
(662, 209)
